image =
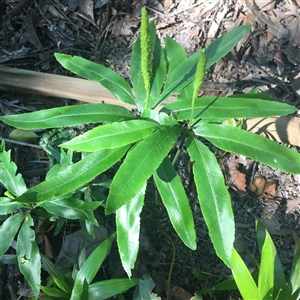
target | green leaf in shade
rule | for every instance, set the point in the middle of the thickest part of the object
(185, 72)
(8, 169)
(139, 165)
(21, 135)
(71, 209)
(174, 53)
(266, 268)
(74, 176)
(144, 289)
(111, 136)
(295, 272)
(108, 288)
(7, 206)
(8, 230)
(214, 198)
(176, 202)
(215, 108)
(111, 80)
(69, 116)
(57, 273)
(54, 292)
(243, 278)
(128, 230)
(93, 263)
(278, 275)
(158, 73)
(29, 258)
(236, 140)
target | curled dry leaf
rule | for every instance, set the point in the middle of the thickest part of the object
(262, 187)
(237, 180)
(179, 293)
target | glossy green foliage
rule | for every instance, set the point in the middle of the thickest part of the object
(271, 282)
(68, 116)
(128, 228)
(143, 145)
(116, 84)
(235, 140)
(82, 286)
(216, 108)
(213, 198)
(28, 255)
(176, 202)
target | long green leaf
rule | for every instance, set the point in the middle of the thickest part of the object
(7, 206)
(243, 278)
(73, 209)
(176, 202)
(69, 116)
(29, 258)
(214, 198)
(55, 271)
(263, 237)
(8, 230)
(139, 165)
(8, 169)
(108, 288)
(295, 272)
(266, 268)
(111, 80)
(111, 136)
(175, 54)
(185, 72)
(54, 292)
(74, 176)
(236, 140)
(93, 263)
(128, 230)
(214, 108)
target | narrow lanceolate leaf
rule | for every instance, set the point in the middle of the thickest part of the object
(8, 169)
(69, 116)
(8, 230)
(29, 259)
(266, 269)
(236, 140)
(111, 80)
(295, 272)
(72, 209)
(74, 176)
(243, 278)
(128, 230)
(278, 275)
(176, 202)
(111, 136)
(185, 72)
(106, 289)
(139, 165)
(215, 108)
(7, 206)
(174, 53)
(214, 199)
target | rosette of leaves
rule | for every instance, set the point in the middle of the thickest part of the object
(144, 141)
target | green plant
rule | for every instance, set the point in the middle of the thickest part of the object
(77, 283)
(271, 282)
(144, 142)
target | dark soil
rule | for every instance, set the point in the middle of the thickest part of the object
(32, 31)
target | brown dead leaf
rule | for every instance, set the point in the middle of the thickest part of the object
(258, 185)
(237, 180)
(179, 293)
(291, 205)
(270, 190)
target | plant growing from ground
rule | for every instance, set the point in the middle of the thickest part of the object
(270, 282)
(144, 141)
